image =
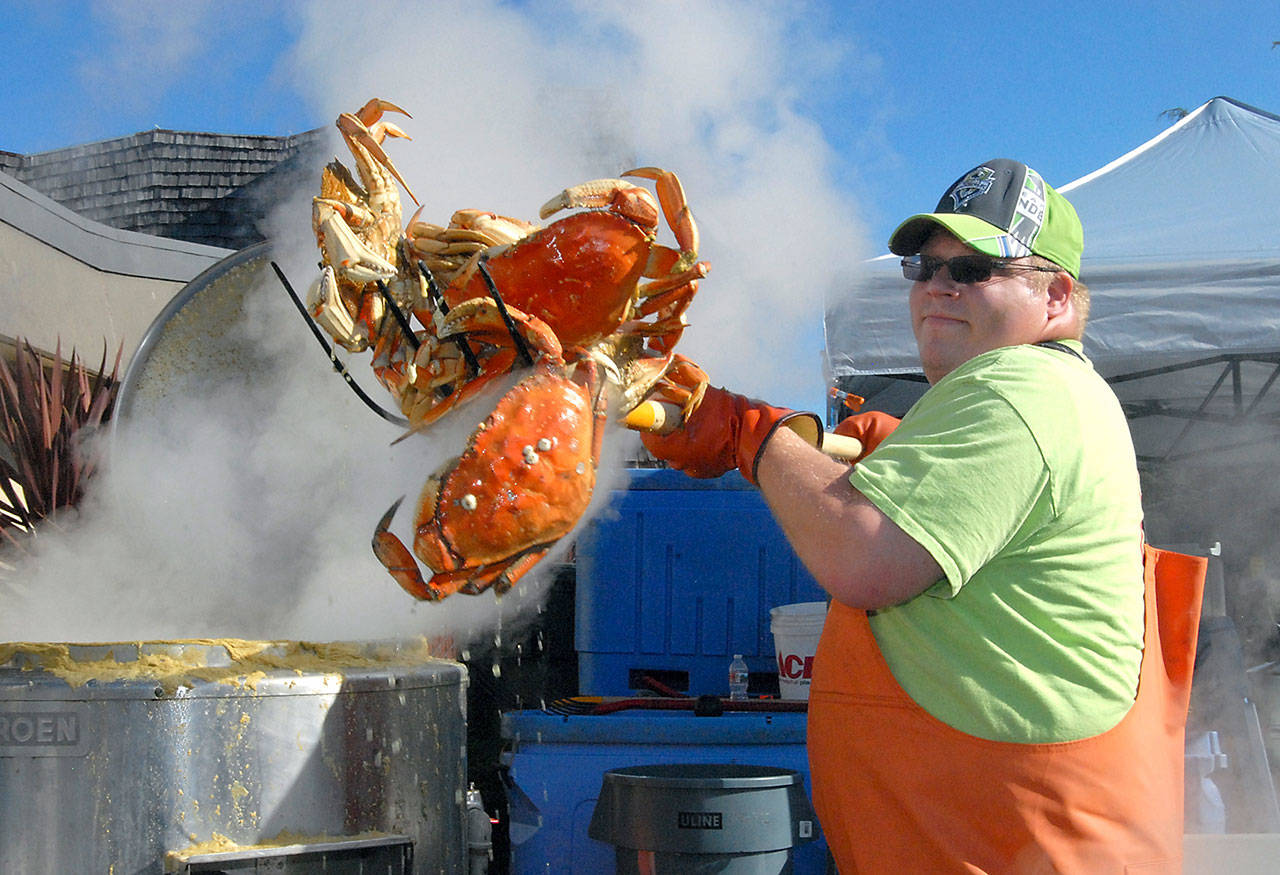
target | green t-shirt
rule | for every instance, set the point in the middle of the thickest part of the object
(1016, 472)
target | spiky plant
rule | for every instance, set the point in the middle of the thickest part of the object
(44, 404)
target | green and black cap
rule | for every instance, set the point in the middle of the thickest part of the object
(1005, 209)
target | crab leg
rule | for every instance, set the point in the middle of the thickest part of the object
(674, 207)
(437, 301)
(662, 292)
(501, 575)
(401, 319)
(620, 196)
(372, 111)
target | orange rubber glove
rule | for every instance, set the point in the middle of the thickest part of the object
(728, 431)
(870, 428)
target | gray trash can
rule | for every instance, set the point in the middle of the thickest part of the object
(703, 817)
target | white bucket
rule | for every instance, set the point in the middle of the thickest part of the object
(796, 629)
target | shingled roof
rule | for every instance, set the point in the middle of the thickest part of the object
(204, 188)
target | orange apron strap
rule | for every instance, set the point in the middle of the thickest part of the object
(1179, 587)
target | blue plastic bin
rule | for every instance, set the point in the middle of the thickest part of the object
(678, 576)
(557, 765)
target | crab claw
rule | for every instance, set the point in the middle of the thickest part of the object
(683, 384)
(393, 554)
(373, 110)
(324, 303)
(363, 128)
(348, 252)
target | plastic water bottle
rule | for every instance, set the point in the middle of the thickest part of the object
(738, 677)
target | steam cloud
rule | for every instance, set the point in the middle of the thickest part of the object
(245, 508)
(514, 102)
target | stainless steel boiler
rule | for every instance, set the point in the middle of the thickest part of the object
(223, 755)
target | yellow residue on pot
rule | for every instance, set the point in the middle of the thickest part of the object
(220, 844)
(173, 664)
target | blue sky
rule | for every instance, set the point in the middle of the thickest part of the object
(804, 130)
(936, 87)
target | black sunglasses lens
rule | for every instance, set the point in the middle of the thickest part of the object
(967, 269)
(921, 268)
(963, 269)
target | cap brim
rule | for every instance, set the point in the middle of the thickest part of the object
(978, 233)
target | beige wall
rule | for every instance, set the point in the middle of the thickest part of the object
(65, 276)
(45, 294)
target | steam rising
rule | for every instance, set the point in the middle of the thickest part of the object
(512, 102)
(244, 506)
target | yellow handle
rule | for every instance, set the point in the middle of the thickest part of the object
(660, 417)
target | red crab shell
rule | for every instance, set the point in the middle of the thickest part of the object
(523, 482)
(579, 275)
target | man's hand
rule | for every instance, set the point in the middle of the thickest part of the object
(728, 431)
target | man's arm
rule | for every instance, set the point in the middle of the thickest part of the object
(851, 548)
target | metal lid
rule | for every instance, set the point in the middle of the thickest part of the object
(196, 337)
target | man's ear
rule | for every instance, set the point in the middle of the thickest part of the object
(1060, 288)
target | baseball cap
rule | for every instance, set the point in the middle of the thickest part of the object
(1005, 209)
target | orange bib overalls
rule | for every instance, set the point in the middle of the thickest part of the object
(898, 791)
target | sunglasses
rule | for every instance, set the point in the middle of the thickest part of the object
(963, 269)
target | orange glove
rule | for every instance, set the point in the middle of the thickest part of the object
(870, 428)
(728, 431)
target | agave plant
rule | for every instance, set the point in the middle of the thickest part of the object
(45, 403)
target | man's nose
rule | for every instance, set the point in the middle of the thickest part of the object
(941, 283)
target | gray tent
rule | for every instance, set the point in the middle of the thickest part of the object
(1182, 254)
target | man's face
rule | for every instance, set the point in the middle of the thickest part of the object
(954, 322)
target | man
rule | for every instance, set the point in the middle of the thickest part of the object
(989, 694)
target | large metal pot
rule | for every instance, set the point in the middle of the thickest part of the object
(202, 756)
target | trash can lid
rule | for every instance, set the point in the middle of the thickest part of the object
(704, 776)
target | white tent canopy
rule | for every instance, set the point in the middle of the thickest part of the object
(1182, 254)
